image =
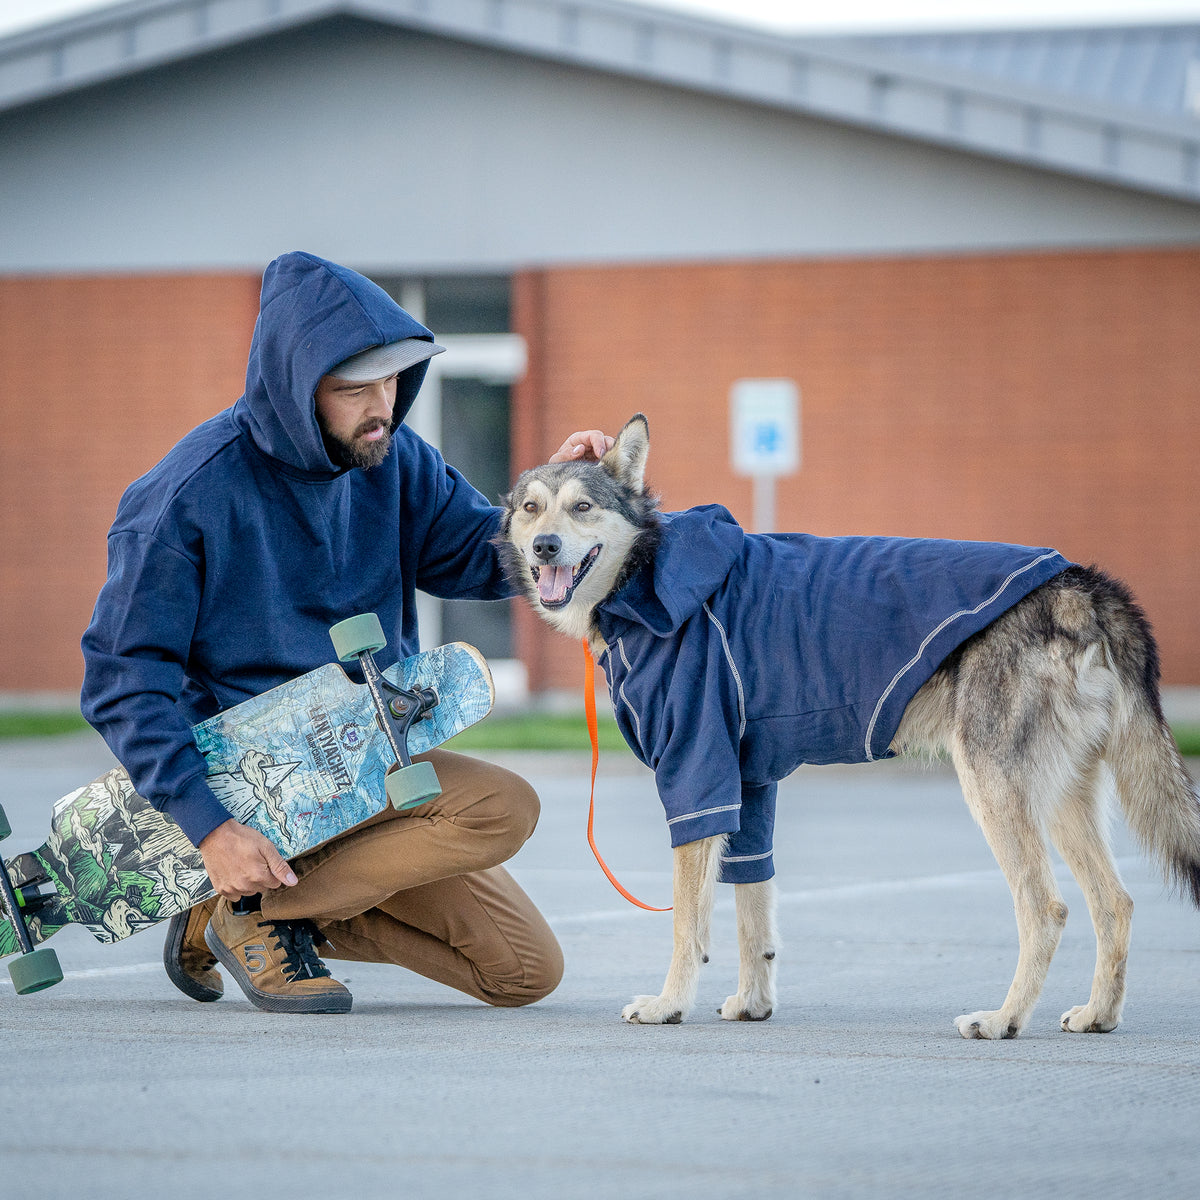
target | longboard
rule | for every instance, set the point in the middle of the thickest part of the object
(302, 763)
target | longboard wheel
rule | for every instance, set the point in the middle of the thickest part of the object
(356, 634)
(409, 786)
(5, 827)
(34, 971)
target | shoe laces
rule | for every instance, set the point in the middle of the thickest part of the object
(298, 941)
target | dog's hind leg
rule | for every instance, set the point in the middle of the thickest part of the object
(696, 867)
(1080, 831)
(1006, 816)
(758, 943)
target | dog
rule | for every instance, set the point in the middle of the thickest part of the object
(1036, 677)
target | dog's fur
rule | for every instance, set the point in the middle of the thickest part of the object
(1036, 712)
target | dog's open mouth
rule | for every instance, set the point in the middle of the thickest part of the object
(556, 585)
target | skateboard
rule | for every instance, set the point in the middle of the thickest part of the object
(302, 763)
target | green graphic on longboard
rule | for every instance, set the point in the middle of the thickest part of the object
(301, 763)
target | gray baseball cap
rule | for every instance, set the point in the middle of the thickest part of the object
(381, 361)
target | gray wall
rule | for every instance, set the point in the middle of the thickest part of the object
(392, 150)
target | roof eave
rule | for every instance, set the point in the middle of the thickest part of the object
(832, 81)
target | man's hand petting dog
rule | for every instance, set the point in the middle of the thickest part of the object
(590, 445)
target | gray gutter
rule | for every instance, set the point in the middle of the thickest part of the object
(858, 86)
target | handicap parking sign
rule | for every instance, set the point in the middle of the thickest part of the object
(765, 426)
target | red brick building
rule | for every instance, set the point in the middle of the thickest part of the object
(986, 346)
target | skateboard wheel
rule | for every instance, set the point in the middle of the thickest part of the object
(5, 827)
(409, 786)
(36, 970)
(356, 634)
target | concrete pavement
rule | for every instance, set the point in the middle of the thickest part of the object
(894, 920)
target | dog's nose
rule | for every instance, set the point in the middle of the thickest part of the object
(547, 546)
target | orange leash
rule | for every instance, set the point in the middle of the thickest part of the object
(589, 704)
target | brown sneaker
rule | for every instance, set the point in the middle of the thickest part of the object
(189, 962)
(275, 962)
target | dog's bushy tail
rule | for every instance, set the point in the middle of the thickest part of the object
(1153, 785)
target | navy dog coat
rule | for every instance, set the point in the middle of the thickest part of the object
(734, 658)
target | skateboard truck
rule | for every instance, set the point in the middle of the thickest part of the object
(397, 709)
(33, 969)
(34, 894)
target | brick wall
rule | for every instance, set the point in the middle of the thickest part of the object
(99, 376)
(1050, 399)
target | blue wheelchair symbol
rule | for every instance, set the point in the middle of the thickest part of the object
(768, 440)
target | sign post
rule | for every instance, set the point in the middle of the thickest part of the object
(764, 439)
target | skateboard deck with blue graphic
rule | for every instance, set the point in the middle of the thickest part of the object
(302, 763)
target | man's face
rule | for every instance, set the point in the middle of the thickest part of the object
(356, 419)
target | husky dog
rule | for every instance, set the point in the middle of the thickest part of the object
(733, 658)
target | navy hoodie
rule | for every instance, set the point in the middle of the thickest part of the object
(230, 559)
(734, 658)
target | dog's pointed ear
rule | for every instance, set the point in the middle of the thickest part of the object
(626, 461)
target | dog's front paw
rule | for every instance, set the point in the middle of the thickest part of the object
(990, 1025)
(653, 1010)
(1085, 1019)
(747, 1008)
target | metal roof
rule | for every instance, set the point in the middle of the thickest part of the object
(1151, 69)
(877, 84)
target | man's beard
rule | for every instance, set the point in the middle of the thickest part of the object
(357, 452)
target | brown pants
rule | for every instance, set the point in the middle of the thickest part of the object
(424, 889)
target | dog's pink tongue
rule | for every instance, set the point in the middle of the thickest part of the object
(553, 583)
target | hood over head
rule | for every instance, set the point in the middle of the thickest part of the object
(697, 550)
(313, 315)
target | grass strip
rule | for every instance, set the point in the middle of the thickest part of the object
(36, 723)
(529, 731)
(1187, 738)
(534, 731)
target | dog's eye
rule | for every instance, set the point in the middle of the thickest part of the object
(529, 506)
(583, 506)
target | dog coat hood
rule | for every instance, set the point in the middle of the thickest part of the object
(314, 314)
(230, 559)
(734, 658)
(698, 550)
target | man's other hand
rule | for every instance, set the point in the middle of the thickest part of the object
(241, 862)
